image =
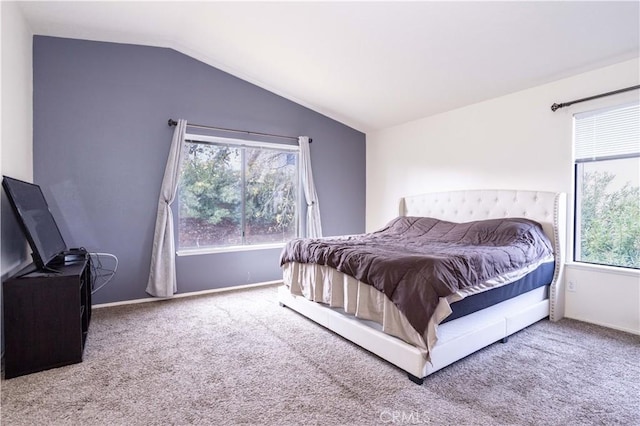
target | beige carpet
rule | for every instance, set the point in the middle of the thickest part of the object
(239, 358)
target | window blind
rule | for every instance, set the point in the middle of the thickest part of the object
(610, 133)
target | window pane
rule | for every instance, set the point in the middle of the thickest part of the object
(210, 197)
(608, 212)
(227, 189)
(271, 196)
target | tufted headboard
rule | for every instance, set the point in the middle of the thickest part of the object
(547, 208)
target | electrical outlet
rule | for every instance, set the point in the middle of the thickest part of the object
(572, 286)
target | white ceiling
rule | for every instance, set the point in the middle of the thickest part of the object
(370, 65)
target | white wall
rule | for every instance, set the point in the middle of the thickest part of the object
(16, 130)
(16, 122)
(514, 141)
(604, 296)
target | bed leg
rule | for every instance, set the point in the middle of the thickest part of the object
(504, 339)
(416, 380)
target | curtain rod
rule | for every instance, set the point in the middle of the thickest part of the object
(556, 107)
(173, 122)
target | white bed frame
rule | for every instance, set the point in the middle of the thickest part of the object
(463, 336)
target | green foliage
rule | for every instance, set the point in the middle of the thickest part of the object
(210, 184)
(212, 189)
(610, 222)
(270, 191)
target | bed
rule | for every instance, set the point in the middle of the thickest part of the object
(369, 318)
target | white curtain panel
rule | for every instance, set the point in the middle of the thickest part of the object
(162, 273)
(314, 225)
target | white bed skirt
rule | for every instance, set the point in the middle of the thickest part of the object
(323, 284)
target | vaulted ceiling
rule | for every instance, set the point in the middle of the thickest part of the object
(370, 65)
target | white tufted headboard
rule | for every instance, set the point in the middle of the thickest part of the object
(547, 208)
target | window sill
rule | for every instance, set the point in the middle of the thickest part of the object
(603, 269)
(230, 249)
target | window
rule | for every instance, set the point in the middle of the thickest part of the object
(236, 193)
(607, 194)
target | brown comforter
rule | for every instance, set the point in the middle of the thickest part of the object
(417, 260)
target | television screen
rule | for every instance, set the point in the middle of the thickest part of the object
(37, 222)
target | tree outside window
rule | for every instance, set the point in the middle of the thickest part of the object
(607, 196)
(237, 196)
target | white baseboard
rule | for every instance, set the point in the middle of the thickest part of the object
(190, 294)
(605, 324)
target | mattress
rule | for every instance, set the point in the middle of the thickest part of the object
(323, 284)
(542, 275)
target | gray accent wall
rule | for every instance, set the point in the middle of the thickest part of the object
(101, 142)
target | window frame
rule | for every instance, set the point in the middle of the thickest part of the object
(239, 143)
(574, 235)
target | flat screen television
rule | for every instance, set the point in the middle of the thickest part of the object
(38, 224)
